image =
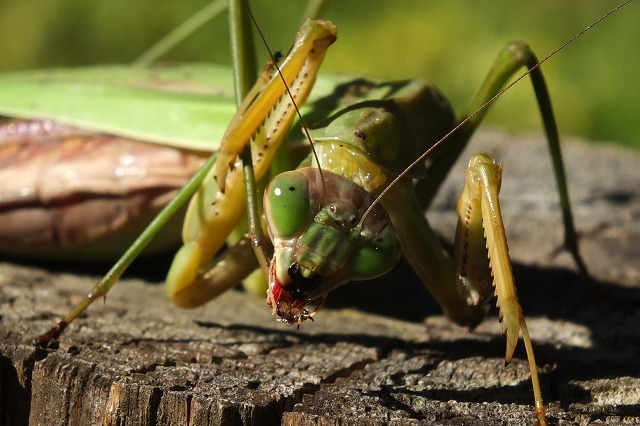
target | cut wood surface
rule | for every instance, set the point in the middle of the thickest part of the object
(379, 352)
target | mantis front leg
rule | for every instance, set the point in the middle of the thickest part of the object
(482, 256)
(262, 121)
(481, 265)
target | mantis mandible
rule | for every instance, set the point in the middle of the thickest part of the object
(463, 301)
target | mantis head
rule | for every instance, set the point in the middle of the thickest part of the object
(319, 242)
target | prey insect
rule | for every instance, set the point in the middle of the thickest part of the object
(326, 224)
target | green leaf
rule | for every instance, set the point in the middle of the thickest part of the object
(188, 106)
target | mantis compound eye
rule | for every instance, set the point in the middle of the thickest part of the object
(287, 204)
(376, 257)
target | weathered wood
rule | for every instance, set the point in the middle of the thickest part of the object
(370, 358)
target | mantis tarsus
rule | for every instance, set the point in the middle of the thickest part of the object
(404, 99)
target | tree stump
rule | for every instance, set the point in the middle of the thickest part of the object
(379, 352)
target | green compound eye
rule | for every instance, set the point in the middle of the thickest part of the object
(376, 257)
(286, 204)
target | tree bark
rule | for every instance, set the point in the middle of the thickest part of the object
(379, 352)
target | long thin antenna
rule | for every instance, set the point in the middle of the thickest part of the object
(485, 105)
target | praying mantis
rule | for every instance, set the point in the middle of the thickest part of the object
(401, 100)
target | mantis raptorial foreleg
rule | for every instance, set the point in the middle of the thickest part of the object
(262, 120)
(482, 257)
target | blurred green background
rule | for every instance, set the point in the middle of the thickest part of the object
(594, 82)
